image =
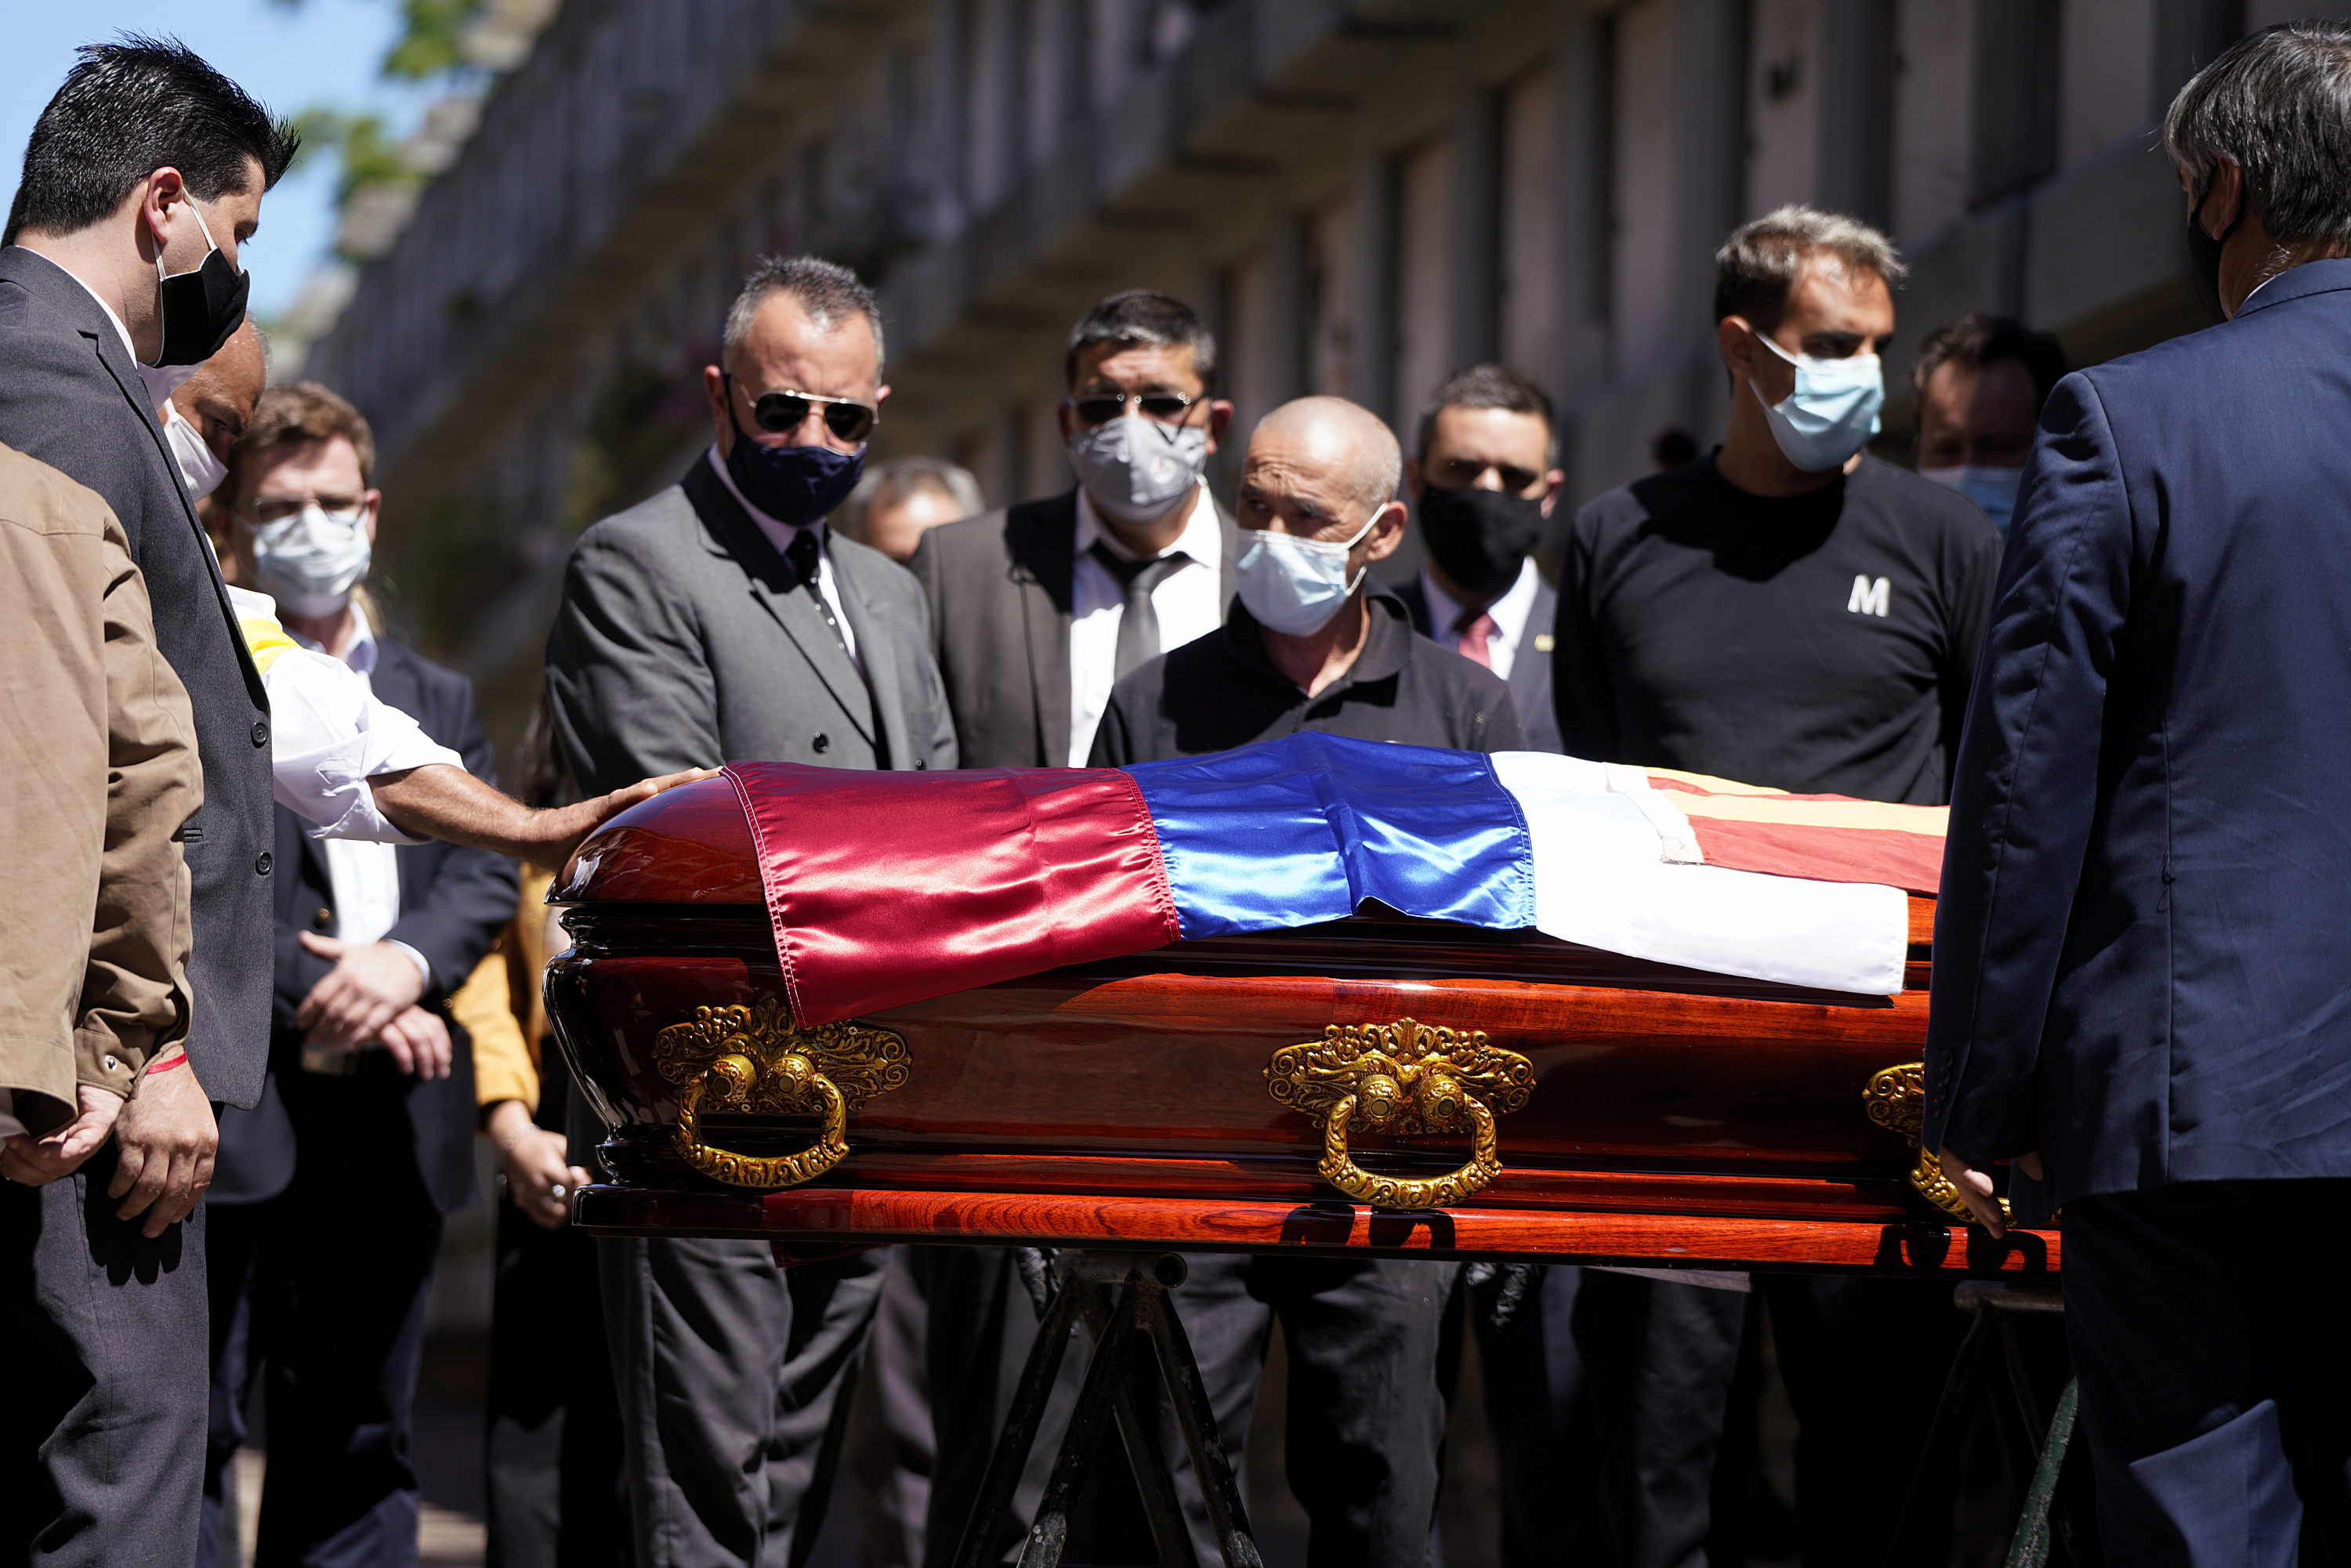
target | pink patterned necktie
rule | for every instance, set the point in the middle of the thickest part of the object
(1476, 631)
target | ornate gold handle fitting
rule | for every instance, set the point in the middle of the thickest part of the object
(752, 1059)
(1896, 1099)
(1402, 1078)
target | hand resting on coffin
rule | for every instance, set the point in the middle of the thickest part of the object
(450, 804)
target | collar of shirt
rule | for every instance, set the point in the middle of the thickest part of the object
(1510, 613)
(780, 536)
(1203, 537)
(779, 533)
(1387, 644)
(361, 654)
(120, 329)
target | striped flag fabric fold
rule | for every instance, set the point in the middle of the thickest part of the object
(887, 888)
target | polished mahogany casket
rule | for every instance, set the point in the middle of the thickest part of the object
(1376, 1084)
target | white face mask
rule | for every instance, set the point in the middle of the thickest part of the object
(1134, 468)
(1993, 490)
(1830, 414)
(1293, 585)
(200, 472)
(162, 380)
(310, 563)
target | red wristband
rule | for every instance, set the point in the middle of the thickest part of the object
(177, 1059)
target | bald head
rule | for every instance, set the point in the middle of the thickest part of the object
(1343, 444)
(219, 398)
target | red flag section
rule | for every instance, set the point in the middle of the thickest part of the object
(991, 873)
(1824, 838)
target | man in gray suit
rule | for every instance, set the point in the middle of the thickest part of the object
(722, 621)
(1036, 610)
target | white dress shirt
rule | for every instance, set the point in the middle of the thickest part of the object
(780, 536)
(1510, 613)
(328, 735)
(1189, 601)
(364, 876)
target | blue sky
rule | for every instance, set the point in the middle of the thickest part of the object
(319, 52)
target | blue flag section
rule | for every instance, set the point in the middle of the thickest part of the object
(1302, 829)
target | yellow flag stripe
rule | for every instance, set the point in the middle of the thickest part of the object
(265, 640)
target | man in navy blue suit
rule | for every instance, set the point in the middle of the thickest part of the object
(2142, 950)
(326, 1209)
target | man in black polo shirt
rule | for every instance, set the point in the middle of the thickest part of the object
(1788, 613)
(1307, 646)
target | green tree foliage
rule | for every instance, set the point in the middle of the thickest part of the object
(430, 48)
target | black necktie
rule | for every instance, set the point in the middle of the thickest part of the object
(803, 555)
(1138, 624)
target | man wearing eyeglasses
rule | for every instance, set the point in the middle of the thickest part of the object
(1038, 610)
(723, 620)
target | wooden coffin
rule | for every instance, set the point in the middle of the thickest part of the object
(1182, 1098)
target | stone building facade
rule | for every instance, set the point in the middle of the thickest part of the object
(1362, 194)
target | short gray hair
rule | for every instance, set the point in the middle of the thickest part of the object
(2278, 105)
(827, 290)
(890, 483)
(1759, 264)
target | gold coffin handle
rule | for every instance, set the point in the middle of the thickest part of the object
(734, 1076)
(1339, 1169)
(753, 1058)
(1407, 1078)
(1896, 1099)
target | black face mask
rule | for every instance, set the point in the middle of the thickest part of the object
(793, 485)
(201, 308)
(2204, 258)
(1479, 538)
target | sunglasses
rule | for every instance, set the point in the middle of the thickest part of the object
(1168, 408)
(778, 412)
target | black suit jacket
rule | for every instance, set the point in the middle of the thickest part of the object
(70, 397)
(1529, 681)
(2144, 937)
(453, 903)
(1000, 587)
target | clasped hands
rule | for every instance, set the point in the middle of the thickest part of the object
(371, 998)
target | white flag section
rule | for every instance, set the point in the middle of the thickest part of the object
(1602, 879)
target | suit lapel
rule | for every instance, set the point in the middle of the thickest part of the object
(397, 684)
(878, 647)
(117, 365)
(1042, 540)
(772, 588)
(1229, 532)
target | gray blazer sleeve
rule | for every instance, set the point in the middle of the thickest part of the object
(628, 683)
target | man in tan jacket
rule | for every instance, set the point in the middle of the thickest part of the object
(97, 770)
(98, 773)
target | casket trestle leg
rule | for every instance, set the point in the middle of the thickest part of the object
(1140, 1351)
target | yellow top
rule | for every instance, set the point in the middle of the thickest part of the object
(500, 1004)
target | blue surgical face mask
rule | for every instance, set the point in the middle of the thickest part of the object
(1832, 412)
(1993, 490)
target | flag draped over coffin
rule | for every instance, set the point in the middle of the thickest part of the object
(887, 888)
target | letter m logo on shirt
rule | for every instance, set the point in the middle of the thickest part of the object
(1871, 596)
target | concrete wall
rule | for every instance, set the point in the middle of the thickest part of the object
(1362, 194)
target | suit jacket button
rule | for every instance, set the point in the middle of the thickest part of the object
(920, 764)
(821, 744)
(321, 918)
(260, 732)
(262, 864)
